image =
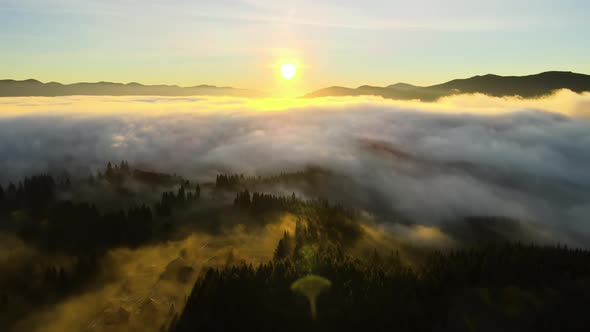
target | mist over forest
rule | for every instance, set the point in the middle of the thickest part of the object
(299, 165)
(174, 213)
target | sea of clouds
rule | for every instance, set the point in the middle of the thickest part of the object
(462, 156)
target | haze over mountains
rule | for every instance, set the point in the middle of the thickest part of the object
(493, 85)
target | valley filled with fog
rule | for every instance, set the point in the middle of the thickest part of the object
(168, 187)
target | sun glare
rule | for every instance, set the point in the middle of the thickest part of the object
(288, 71)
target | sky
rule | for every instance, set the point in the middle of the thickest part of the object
(242, 43)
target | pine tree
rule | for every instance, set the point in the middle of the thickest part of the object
(284, 248)
(109, 172)
(181, 197)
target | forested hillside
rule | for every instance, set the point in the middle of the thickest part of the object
(138, 250)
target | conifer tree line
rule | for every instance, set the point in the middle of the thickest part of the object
(81, 227)
(510, 287)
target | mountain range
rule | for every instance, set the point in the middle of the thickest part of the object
(34, 88)
(493, 85)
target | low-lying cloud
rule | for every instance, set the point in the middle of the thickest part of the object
(430, 162)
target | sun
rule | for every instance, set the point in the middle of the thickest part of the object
(288, 71)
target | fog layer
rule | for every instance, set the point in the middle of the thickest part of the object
(428, 162)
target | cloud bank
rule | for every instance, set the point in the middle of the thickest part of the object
(428, 162)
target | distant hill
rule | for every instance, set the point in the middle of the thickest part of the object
(12, 88)
(493, 85)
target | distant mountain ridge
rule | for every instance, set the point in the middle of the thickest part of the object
(493, 85)
(34, 88)
(530, 86)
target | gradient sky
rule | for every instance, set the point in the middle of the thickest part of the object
(242, 42)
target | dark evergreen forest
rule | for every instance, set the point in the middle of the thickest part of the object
(59, 235)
